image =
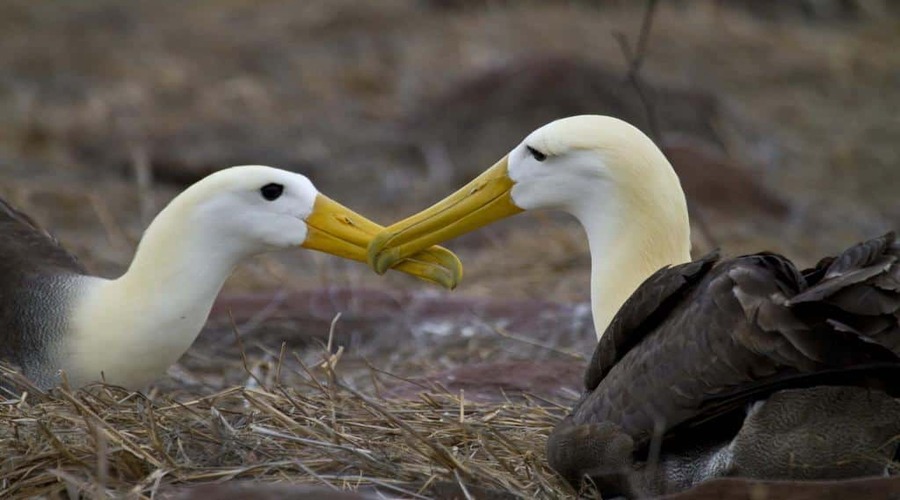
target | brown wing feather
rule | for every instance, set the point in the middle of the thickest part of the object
(642, 312)
(731, 333)
(858, 292)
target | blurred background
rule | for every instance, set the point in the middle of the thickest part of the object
(781, 117)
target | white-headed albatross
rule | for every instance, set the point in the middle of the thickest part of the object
(680, 342)
(54, 316)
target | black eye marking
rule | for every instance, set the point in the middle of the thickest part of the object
(271, 191)
(536, 154)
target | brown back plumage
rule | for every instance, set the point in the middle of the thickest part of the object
(700, 340)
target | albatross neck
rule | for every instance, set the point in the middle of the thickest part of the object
(134, 327)
(633, 233)
(176, 271)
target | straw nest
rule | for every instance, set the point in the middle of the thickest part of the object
(325, 430)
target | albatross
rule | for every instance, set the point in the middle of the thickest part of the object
(55, 317)
(684, 343)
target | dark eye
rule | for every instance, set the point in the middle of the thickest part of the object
(536, 154)
(271, 191)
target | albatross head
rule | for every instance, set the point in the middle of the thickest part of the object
(254, 208)
(605, 172)
(132, 328)
(246, 210)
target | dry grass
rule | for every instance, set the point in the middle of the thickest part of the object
(105, 441)
(238, 408)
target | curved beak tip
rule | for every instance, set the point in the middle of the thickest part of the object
(378, 261)
(374, 253)
(453, 278)
(383, 262)
(456, 272)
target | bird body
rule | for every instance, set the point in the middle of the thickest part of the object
(684, 346)
(55, 316)
(698, 344)
(697, 335)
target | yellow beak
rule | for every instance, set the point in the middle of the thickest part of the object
(335, 229)
(484, 200)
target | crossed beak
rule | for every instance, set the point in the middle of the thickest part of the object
(335, 229)
(484, 200)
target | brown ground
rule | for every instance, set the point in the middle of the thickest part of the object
(784, 125)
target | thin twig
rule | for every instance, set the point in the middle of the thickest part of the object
(636, 61)
(240, 343)
(143, 179)
(635, 64)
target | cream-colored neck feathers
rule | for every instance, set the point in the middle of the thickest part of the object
(134, 327)
(636, 216)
